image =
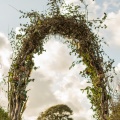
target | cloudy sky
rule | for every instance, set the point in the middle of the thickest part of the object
(54, 82)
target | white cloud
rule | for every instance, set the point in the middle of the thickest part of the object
(17, 30)
(115, 85)
(5, 54)
(113, 30)
(71, 1)
(117, 69)
(55, 83)
(29, 118)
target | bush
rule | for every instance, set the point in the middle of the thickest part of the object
(3, 114)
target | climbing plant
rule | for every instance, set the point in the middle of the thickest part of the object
(77, 29)
(115, 110)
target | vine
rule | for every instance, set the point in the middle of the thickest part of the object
(75, 26)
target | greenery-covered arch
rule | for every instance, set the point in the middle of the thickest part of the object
(74, 26)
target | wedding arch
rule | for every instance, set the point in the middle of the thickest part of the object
(78, 30)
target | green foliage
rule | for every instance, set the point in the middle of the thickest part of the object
(76, 27)
(115, 110)
(57, 112)
(3, 114)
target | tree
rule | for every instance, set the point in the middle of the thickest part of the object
(57, 112)
(3, 114)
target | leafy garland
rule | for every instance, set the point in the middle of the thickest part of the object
(75, 26)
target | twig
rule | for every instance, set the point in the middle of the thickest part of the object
(14, 8)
